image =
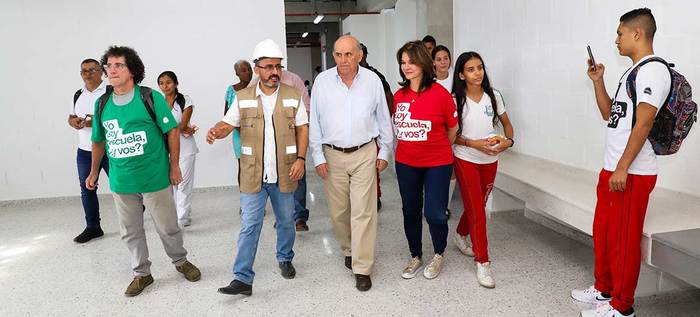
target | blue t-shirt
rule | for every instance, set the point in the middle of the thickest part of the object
(230, 95)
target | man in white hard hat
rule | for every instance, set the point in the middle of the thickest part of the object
(273, 124)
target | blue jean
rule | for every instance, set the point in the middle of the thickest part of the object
(433, 183)
(252, 215)
(91, 204)
(300, 211)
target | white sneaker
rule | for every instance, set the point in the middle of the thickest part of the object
(603, 310)
(483, 275)
(589, 295)
(462, 245)
(185, 222)
(432, 270)
(412, 268)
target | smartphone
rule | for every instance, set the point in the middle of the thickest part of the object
(590, 55)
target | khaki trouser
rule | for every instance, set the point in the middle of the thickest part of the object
(351, 189)
(161, 205)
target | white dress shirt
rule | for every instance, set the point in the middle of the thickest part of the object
(347, 117)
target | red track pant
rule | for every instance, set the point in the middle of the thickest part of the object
(475, 184)
(617, 234)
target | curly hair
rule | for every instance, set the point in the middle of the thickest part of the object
(133, 61)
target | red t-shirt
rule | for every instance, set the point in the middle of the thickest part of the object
(421, 122)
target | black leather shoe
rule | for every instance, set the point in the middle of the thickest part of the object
(88, 234)
(348, 262)
(302, 226)
(379, 204)
(237, 287)
(288, 270)
(363, 282)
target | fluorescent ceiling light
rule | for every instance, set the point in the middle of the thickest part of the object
(318, 18)
(305, 34)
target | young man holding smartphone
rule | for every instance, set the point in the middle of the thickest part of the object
(630, 170)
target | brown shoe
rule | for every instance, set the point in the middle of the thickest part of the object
(363, 282)
(190, 271)
(302, 226)
(138, 284)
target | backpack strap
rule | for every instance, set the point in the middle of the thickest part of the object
(103, 102)
(76, 96)
(147, 98)
(631, 84)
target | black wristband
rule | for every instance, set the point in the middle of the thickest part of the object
(301, 158)
(512, 142)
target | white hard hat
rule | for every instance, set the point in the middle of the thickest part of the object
(267, 48)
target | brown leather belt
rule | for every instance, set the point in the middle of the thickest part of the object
(348, 149)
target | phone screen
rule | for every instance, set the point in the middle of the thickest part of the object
(590, 55)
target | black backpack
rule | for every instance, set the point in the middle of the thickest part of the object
(146, 97)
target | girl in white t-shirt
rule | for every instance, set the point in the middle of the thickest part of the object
(181, 107)
(442, 63)
(480, 110)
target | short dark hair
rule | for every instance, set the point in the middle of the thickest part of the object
(440, 48)
(429, 39)
(420, 56)
(644, 20)
(133, 61)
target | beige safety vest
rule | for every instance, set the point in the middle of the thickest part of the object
(253, 135)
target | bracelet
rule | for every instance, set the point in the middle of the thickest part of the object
(301, 158)
(512, 142)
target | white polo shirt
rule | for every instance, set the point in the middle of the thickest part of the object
(652, 85)
(85, 105)
(233, 117)
(477, 123)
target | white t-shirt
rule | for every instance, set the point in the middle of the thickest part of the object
(447, 82)
(652, 85)
(233, 117)
(477, 123)
(188, 146)
(85, 105)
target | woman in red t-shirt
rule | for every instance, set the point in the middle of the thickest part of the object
(425, 118)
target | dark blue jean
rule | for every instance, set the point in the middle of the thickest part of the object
(91, 205)
(300, 211)
(433, 183)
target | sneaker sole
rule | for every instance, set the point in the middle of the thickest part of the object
(487, 286)
(408, 276)
(430, 277)
(595, 301)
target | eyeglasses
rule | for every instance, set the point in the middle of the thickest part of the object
(115, 65)
(89, 71)
(270, 68)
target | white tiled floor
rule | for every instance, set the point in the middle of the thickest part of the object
(43, 273)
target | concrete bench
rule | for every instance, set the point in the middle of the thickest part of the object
(567, 195)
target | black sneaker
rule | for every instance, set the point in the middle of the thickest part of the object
(348, 262)
(88, 234)
(288, 270)
(237, 287)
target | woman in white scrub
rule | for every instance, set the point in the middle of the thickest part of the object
(182, 107)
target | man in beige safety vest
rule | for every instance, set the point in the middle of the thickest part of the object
(273, 124)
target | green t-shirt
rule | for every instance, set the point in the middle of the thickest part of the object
(138, 159)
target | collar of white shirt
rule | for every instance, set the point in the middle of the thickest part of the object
(101, 86)
(339, 79)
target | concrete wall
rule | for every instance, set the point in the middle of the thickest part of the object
(535, 53)
(299, 62)
(45, 42)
